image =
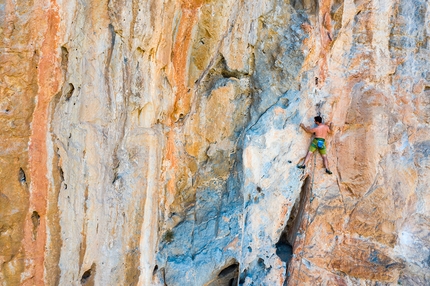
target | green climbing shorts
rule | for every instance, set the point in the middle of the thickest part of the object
(314, 146)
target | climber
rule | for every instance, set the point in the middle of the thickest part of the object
(318, 142)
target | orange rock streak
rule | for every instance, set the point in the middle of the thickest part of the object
(170, 155)
(183, 94)
(49, 77)
(326, 37)
(180, 57)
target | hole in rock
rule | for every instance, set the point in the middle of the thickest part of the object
(229, 276)
(61, 174)
(243, 276)
(88, 276)
(21, 176)
(261, 263)
(284, 247)
(64, 57)
(160, 275)
(229, 270)
(35, 219)
(116, 177)
(68, 91)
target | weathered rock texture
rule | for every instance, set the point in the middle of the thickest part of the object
(156, 142)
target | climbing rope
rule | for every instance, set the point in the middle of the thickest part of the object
(308, 218)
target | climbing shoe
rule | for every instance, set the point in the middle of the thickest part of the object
(328, 171)
(301, 166)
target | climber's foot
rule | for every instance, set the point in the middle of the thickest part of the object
(301, 166)
(328, 171)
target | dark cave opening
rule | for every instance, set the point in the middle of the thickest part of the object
(228, 276)
(284, 249)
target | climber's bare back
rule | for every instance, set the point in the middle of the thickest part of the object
(321, 131)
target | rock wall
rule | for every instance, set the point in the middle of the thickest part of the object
(156, 142)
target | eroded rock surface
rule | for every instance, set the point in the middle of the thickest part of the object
(156, 142)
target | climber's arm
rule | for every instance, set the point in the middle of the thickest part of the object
(307, 129)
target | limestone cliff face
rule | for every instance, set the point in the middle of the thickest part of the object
(156, 142)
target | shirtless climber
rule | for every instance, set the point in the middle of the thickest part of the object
(321, 132)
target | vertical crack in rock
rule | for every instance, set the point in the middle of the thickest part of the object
(286, 244)
(54, 240)
(83, 245)
(67, 89)
(150, 212)
(284, 248)
(108, 63)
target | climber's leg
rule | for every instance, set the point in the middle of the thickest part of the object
(325, 160)
(308, 156)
